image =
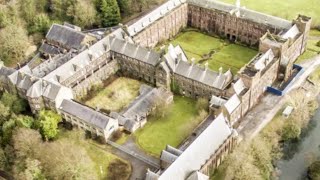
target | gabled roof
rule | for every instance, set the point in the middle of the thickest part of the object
(217, 101)
(48, 49)
(232, 103)
(154, 16)
(239, 87)
(248, 14)
(291, 33)
(66, 36)
(200, 150)
(85, 113)
(135, 51)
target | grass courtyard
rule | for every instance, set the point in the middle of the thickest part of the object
(101, 158)
(115, 96)
(172, 129)
(288, 9)
(224, 54)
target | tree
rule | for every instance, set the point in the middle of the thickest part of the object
(314, 170)
(41, 23)
(14, 43)
(109, 12)
(15, 103)
(24, 121)
(84, 14)
(7, 129)
(4, 113)
(48, 124)
(291, 131)
(125, 7)
(32, 170)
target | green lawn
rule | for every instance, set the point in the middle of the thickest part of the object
(288, 9)
(170, 130)
(228, 56)
(101, 158)
(115, 96)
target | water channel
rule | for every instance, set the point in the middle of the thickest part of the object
(297, 159)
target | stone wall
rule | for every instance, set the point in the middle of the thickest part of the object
(97, 77)
(164, 28)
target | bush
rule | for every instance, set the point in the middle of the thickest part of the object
(202, 104)
(291, 131)
(314, 171)
(318, 44)
(118, 170)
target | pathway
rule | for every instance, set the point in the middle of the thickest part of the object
(263, 113)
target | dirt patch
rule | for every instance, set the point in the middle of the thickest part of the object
(118, 170)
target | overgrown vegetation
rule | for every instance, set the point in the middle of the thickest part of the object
(23, 23)
(314, 171)
(176, 125)
(35, 148)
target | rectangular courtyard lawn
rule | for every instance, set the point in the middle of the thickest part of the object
(224, 54)
(116, 96)
(172, 129)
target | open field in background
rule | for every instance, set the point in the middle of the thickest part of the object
(101, 158)
(312, 48)
(199, 46)
(288, 9)
(116, 96)
(172, 129)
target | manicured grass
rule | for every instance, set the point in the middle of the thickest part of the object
(115, 96)
(228, 56)
(101, 158)
(288, 9)
(314, 32)
(305, 56)
(171, 129)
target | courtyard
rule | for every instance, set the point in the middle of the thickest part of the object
(217, 52)
(114, 96)
(171, 129)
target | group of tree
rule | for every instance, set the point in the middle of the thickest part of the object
(23, 23)
(29, 146)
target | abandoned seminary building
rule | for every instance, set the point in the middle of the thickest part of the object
(70, 62)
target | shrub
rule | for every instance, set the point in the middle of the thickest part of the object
(314, 171)
(291, 131)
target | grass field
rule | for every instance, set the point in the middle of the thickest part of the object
(197, 45)
(116, 95)
(288, 9)
(170, 130)
(101, 158)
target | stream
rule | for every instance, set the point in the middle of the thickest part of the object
(294, 164)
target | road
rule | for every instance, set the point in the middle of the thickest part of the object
(263, 113)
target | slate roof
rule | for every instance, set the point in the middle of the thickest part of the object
(151, 175)
(167, 157)
(291, 33)
(48, 49)
(85, 113)
(143, 103)
(248, 14)
(239, 87)
(66, 36)
(232, 103)
(200, 150)
(135, 51)
(6, 71)
(177, 62)
(154, 16)
(217, 101)
(80, 61)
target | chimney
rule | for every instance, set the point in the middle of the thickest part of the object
(238, 4)
(193, 61)
(106, 46)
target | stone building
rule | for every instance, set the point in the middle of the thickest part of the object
(203, 155)
(88, 119)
